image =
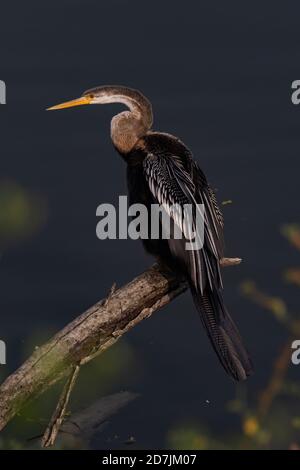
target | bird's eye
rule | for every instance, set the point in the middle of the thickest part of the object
(92, 95)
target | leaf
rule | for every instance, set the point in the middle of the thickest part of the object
(21, 213)
(292, 275)
(227, 202)
(250, 426)
(275, 305)
(292, 233)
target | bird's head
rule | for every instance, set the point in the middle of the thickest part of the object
(126, 127)
(108, 94)
(99, 95)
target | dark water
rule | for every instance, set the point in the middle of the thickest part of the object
(219, 76)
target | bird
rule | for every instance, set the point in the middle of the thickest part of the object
(161, 170)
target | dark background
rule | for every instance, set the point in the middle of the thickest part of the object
(219, 76)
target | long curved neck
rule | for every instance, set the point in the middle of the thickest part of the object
(129, 126)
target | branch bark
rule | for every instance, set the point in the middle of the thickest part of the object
(87, 336)
(56, 421)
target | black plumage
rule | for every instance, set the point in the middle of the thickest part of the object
(161, 170)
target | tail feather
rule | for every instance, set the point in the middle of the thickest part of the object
(223, 333)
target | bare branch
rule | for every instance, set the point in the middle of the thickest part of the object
(224, 262)
(84, 338)
(53, 427)
(87, 336)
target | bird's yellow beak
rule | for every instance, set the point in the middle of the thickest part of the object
(69, 104)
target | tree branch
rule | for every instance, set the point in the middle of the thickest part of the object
(84, 338)
(55, 423)
(87, 336)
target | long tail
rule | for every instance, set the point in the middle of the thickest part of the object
(223, 333)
